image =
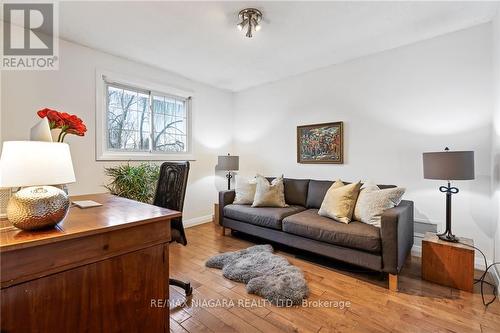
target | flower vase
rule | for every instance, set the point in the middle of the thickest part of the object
(55, 134)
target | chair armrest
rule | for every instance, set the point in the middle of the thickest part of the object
(396, 231)
(225, 198)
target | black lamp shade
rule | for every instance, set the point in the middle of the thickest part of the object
(228, 162)
(449, 165)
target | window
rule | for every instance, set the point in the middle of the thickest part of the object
(142, 123)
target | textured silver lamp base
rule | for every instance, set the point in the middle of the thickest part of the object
(5, 194)
(37, 207)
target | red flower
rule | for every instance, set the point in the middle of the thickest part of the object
(43, 112)
(77, 129)
(68, 123)
(74, 124)
(53, 116)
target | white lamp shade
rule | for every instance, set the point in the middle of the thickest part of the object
(30, 163)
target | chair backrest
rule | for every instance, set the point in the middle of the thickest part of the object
(170, 193)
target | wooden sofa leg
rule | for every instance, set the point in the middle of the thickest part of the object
(393, 282)
(223, 233)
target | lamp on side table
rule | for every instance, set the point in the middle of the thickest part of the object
(446, 259)
(228, 163)
(449, 165)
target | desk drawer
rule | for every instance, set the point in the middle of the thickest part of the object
(112, 295)
(25, 264)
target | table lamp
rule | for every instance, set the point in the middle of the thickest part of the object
(35, 165)
(228, 163)
(449, 165)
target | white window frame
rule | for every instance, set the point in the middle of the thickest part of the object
(103, 153)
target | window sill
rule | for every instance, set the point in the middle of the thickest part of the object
(144, 157)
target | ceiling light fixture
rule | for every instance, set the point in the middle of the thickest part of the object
(250, 19)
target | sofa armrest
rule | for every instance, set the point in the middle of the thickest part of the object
(225, 198)
(396, 231)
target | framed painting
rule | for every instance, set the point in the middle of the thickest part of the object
(320, 143)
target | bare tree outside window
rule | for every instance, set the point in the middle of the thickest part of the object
(169, 119)
(144, 121)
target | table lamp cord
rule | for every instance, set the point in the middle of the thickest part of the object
(483, 276)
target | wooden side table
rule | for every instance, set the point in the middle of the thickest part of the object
(448, 264)
(216, 214)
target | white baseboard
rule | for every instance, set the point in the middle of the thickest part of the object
(197, 220)
(416, 251)
(496, 276)
(427, 221)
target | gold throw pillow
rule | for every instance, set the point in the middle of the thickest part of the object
(339, 201)
(269, 194)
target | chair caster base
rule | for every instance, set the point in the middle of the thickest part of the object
(186, 286)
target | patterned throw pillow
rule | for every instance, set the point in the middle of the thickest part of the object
(372, 202)
(245, 190)
(269, 194)
(339, 201)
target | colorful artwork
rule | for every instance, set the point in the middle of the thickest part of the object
(320, 143)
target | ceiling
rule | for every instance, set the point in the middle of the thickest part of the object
(199, 40)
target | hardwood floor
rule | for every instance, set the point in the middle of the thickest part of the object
(419, 306)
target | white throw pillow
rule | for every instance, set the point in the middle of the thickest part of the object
(245, 190)
(373, 201)
(269, 194)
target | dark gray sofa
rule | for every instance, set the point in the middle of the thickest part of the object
(383, 249)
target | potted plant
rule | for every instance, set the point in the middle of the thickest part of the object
(133, 182)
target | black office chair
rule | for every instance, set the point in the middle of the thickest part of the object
(170, 194)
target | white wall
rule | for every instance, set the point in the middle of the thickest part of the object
(496, 135)
(395, 105)
(72, 89)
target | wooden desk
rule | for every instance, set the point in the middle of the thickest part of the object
(97, 271)
(449, 264)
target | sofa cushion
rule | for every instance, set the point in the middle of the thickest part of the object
(316, 192)
(296, 191)
(269, 217)
(355, 235)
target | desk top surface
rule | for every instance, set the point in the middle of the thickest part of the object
(115, 213)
